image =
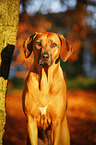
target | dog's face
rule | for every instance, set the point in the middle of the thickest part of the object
(47, 47)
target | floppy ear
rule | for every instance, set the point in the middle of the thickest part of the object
(28, 45)
(66, 48)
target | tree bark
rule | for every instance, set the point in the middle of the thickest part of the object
(9, 16)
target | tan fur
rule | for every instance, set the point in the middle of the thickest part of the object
(44, 94)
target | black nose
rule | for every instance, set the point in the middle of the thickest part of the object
(45, 56)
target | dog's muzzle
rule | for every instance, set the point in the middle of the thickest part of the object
(45, 59)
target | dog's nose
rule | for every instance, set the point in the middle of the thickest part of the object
(45, 56)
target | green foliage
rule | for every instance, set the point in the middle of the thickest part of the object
(17, 83)
(81, 82)
(76, 83)
(72, 69)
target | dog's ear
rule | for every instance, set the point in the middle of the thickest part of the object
(28, 44)
(66, 48)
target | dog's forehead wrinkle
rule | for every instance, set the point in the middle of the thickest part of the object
(48, 36)
(54, 39)
(42, 40)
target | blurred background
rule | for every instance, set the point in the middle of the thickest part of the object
(76, 20)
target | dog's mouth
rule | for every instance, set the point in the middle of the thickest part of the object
(44, 63)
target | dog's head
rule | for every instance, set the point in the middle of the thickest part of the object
(47, 48)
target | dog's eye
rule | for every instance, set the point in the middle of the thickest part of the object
(38, 43)
(53, 45)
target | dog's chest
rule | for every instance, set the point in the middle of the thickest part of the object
(45, 82)
(41, 86)
(45, 89)
(43, 110)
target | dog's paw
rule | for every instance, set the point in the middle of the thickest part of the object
(43, 122)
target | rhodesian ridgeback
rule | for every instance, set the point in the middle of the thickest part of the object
(44, 94)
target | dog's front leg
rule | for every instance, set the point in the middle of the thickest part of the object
(57, 133)
(32, 130)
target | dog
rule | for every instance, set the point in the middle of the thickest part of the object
(44, 94)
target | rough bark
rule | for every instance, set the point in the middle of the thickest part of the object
(9, 12)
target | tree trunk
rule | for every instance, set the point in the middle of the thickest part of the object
(9, 12)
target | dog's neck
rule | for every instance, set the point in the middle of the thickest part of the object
(46, 74)
(52, 69)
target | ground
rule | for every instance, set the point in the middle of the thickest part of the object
(81, 114)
